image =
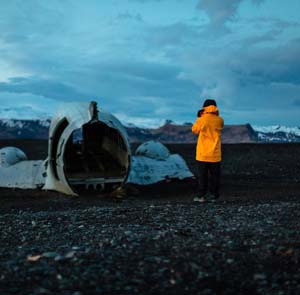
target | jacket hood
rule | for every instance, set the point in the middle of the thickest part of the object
(211, 109)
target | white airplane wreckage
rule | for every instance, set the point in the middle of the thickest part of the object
(88, 150)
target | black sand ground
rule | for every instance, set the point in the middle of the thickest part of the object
(160, 242)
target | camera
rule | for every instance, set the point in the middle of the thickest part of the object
(200, 112)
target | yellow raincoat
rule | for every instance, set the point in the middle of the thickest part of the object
(209, 127)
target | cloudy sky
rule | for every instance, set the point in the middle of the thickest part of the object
(150, 60)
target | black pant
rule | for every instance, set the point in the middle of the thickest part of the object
(209, 178)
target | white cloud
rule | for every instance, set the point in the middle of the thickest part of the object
(139, 121)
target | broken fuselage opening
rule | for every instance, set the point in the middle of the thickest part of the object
(96, 158)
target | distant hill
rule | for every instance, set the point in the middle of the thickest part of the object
(239, 134)
(172, 133)
(24, 129)
(168, 133)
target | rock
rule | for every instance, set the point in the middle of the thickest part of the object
(259, 276)
(50, 254)
(70, 254)
(33, 258)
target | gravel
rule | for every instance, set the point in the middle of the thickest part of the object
(160, 242)
(152, 247)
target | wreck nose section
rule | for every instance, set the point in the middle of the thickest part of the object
(88, 150)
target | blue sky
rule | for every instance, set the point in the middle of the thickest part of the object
(150, 60)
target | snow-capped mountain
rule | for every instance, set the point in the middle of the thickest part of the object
(25, 129)
(277, 133)
(31, 122)
(169, 132)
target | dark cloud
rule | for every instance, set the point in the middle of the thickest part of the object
(23, 18)
(257, 2)
(270, 23)
(261, 38)
(177, 34)
(128, 16)
(45, 88)
(296, 102)
(264, 79)
(275, 65)
(132, 81)
(220, 12)
(146, 1)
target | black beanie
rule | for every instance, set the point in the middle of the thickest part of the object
(209, 102)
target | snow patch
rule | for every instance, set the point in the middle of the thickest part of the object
(277, 128)
(21, 124)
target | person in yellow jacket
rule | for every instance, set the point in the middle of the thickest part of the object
(208, 126)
